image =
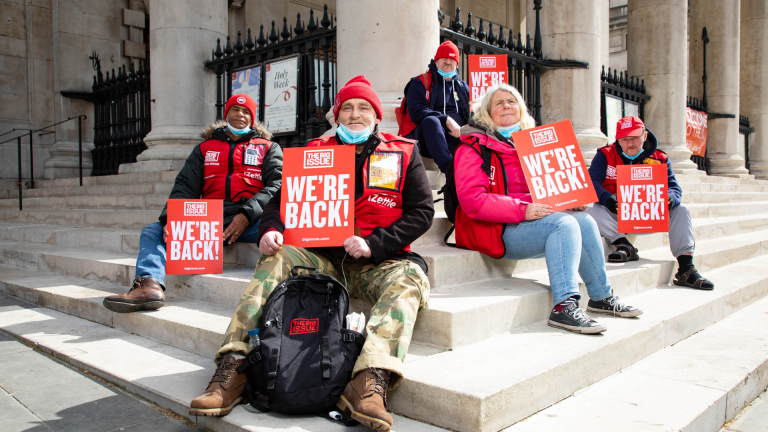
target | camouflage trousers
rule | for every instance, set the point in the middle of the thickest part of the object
(398, 289)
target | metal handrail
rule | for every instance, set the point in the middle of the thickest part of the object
(29, 132)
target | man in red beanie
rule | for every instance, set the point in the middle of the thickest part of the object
(635, 144)
(437, 103)
(393, 207)
(236, 163)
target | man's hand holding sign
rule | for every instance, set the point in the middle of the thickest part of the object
(554, 168)
(194, 237)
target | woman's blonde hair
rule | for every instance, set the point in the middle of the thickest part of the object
(482, 109)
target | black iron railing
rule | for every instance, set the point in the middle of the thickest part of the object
(122, 116)
(315, 45)
(620, 96)
(525, 62)
(745, 130)
(42, 131)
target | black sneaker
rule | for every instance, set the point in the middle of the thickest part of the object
(573, 318)
(613, 306)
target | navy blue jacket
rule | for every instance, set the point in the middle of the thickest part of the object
(419, 108)
(599, 165)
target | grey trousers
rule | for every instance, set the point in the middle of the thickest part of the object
(680, 228)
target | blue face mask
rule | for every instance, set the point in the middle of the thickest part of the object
(506, 132)
(446, 75)
(350, 136)
(237, 131)
(631, 157)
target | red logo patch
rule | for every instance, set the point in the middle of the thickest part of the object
(304, 325)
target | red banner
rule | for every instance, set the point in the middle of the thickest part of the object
(642, 199)
(194, 244)
(486, 71)
(554, 166)
(696, 131)
(318, 195)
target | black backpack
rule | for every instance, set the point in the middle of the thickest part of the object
(450, 197)
(306, 354)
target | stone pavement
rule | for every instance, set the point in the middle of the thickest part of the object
(38, 393)
(754, 418)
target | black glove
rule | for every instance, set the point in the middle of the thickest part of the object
(611, 204)
(670, 202)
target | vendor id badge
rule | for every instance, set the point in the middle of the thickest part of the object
(385, 170)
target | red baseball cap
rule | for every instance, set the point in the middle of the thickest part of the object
(242, 100)
(629, 126)
(449, 50)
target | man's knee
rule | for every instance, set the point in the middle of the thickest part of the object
(431, 124)
(410, 285)
(152, 231)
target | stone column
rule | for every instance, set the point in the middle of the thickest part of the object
(722, 19)
(181, 35)
(388, 42)
(753, 88)
(572, 30)
(657, 53)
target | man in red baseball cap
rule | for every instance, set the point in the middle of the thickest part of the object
(393, 207)
(635, 145)
(436, 106)
(236, 163)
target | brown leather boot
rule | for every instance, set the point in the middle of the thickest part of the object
(224, 390)
(145, 294)
(365, 397)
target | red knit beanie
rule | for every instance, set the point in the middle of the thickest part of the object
(242, 100)
(449, 50)
(357, 88)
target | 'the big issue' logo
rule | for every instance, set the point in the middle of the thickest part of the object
(543, 137)
(195, 209)
(318, 159)
(626, 124)
(642, 173)
(212, 156)
(488, 62)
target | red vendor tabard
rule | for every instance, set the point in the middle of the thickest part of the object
(194, 244)
(317, 202)
(554, 166)
(642, 196)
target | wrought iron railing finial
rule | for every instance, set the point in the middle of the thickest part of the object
(326, 23)
(249, 41)
(457, 25)
(470, 30)
(239, 44)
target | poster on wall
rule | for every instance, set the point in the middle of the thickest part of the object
(696, 132)
(280, 95)
(613, 113)
(486, 71)
(248, 81)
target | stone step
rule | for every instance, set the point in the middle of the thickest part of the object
(716, 179)
(484, 386)
(123, 219)
(723, 187)
(121, 179)
(727, 209)
(167, 376)
(458, 314)
(99, 202)
(489, 385)
(699, 384)
(94, 190)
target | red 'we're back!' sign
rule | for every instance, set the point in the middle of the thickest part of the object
(317, 198)
(554, 167)
(194, 244)
(642, 199)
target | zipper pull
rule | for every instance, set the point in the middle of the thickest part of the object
(279, 320)
(328, 294)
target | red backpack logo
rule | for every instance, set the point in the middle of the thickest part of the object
(404, 121)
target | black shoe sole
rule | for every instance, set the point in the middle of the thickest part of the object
(631, 314)
(581, 330)
(121, 307)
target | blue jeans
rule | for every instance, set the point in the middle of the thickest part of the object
(151, 260)
(570, 242)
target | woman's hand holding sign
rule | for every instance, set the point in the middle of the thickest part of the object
(356, 247)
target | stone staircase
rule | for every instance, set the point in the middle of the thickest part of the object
(482, 356)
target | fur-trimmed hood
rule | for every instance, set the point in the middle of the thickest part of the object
(207, 132)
